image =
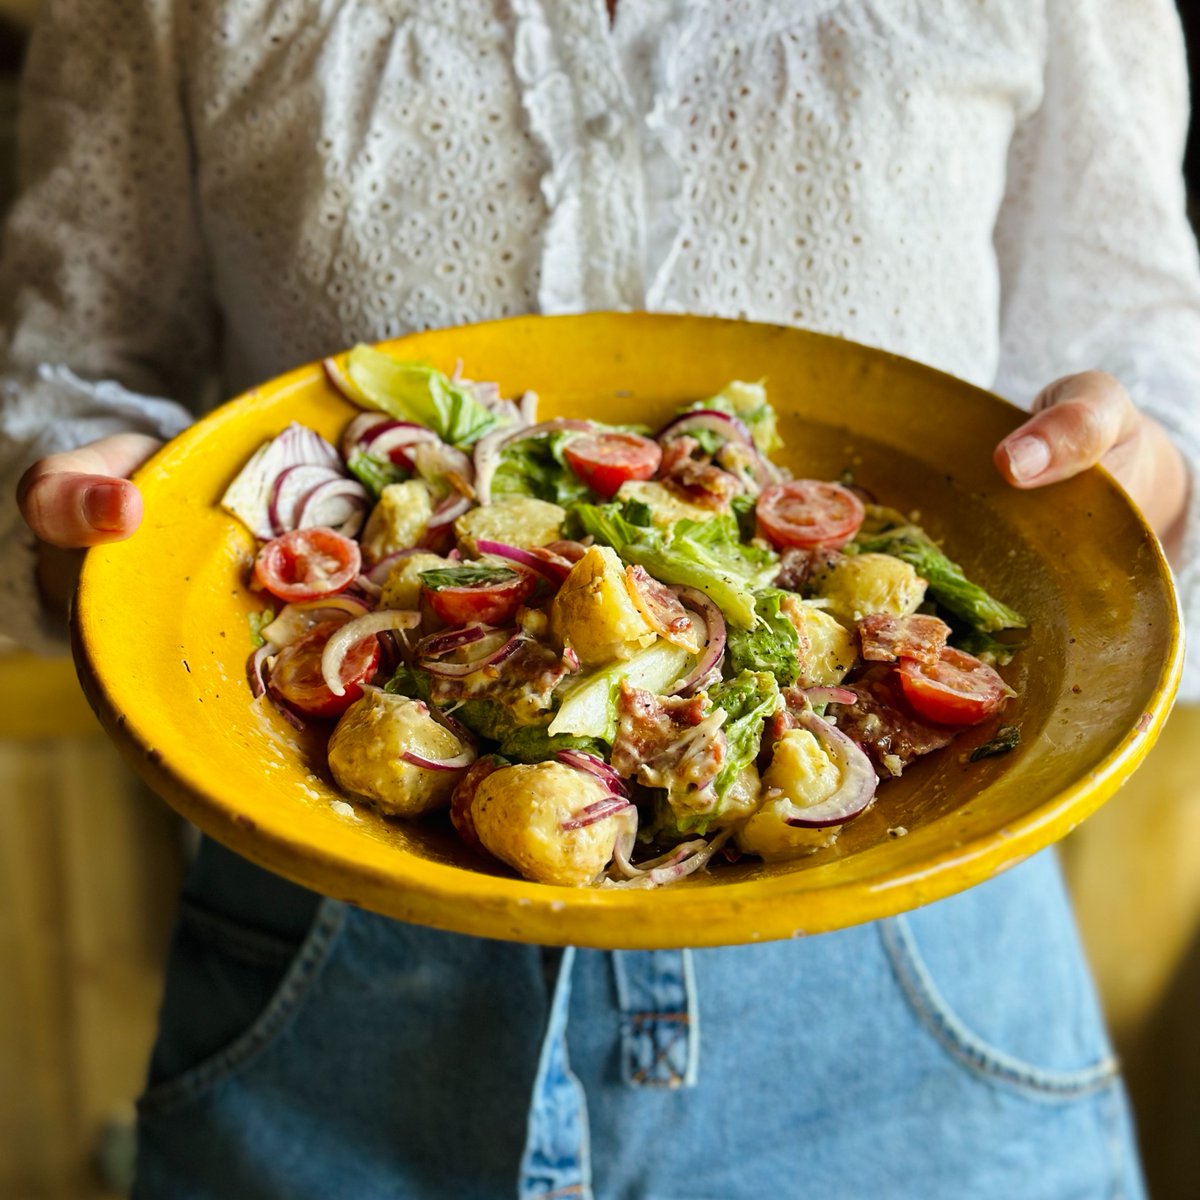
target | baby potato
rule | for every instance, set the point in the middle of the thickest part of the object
(403, 587)
(665, 506)
(594, 612)
(827, 649)
(768, 835)
(398, 520)
(366, 754)
(515, 520)
(802, 774)
(518, 813)
(860, 584)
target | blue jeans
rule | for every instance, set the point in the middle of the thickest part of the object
(312, 1051)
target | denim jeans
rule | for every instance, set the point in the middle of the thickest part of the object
(312, 1051)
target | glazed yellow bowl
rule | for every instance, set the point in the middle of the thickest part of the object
(162, 640)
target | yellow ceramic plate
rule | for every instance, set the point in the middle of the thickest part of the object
(162, 640)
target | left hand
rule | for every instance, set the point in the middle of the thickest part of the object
(1081, 420)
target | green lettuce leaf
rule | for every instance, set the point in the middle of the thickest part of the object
(536, 467)
(707, 555)
(948, 586)
(411, 391)
(374, 473)
(748, 402)
(772, 645)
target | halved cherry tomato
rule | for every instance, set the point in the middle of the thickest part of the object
(604, 461)
(296, 672)
(809, 513)
(958, 689)
(307, 563)
(489, 603)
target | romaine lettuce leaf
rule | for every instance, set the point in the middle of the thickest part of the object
(707, 555)
(948, 586)
(772, 645)
(536, 467)
(411, 391)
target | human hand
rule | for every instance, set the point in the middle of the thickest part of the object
(1081, 420)
(81, 498)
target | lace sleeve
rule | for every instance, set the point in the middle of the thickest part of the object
(1098, 264)
(103, 298)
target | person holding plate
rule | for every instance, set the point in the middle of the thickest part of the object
(215, 192)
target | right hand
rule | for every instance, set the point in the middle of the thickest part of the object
(81, 498)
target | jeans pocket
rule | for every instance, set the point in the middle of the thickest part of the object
(231, 990)
(998, 977)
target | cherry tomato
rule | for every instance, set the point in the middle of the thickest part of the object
(307, 563)
(957, 690)
(809, 513)
(484, 603)
(604, 461)
(296, 672)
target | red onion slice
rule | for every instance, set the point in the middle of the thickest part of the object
(359, 430)
(338, 646)
(248, 497)
(714, 623)
(858, 777)
(396, 441)
(555, 573)
(438, 644)
(448, 511)
(492, 658)
(601, 810)
(582, 761)
(684, 860)
(296, 619)
(339, 504)
(292, 485)
(459, 762)
(731, 428)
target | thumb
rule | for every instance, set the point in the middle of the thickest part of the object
(1077, 420)
(82, 497)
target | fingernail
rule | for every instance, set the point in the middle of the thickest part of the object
(104, 506)
(1028, 457)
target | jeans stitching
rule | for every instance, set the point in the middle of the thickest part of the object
(270, 1023)
(966, 1046)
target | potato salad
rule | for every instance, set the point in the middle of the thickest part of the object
(611, 655)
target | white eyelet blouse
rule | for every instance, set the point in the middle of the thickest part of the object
(226, 188)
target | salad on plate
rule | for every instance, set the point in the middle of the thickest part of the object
(612, 654)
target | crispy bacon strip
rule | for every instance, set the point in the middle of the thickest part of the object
(882, 724)
(661, 736)
(886, 638)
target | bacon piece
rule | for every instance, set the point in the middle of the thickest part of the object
(886, 638)
(696, 479)
(665, 741)
(882, 724)
(663, 610)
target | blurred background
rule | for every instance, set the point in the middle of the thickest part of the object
(90, 863)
